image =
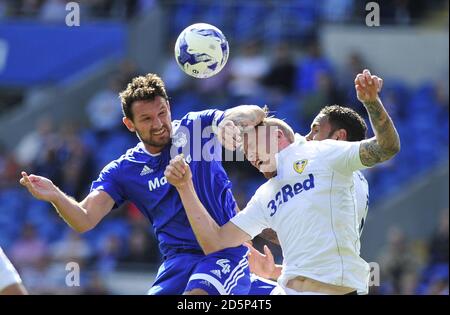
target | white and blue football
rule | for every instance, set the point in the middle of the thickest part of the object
(201, 50)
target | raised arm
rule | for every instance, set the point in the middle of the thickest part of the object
(209, 234)
(80, 216)
(386, 142)
(236, 120)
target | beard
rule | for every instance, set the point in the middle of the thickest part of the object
(155, 141)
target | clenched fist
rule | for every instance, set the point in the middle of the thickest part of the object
(178, 173)
(367, 86)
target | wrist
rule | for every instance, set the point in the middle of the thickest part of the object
(56, 197)
(185, 187)
(373, 102)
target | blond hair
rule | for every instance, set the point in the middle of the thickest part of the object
(280, 124)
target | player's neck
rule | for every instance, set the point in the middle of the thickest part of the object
(283, 145)
(152, 150)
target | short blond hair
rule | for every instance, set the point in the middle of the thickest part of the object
(280, 124)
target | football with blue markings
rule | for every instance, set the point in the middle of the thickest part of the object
(201, 50)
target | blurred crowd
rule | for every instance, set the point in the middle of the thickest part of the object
(304, 14)
(55, 10)
(415, 266)
(296, 82)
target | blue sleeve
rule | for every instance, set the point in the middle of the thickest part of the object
(107, 181)
(209, 117)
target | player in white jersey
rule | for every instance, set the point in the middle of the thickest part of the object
(10, 282)
(337, 123)
(344, 124)
(308, 200)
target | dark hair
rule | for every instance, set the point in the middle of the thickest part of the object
(142, 88)
(346, 118)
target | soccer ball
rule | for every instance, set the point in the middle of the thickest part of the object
(201, 50)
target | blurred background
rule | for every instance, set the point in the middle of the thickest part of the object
(60, 117)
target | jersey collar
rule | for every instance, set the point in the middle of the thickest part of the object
(144, 150)
(280, 156)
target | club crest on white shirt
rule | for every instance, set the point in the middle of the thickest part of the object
(300, 165)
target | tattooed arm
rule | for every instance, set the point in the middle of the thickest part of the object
(386, 142)
(236, 120)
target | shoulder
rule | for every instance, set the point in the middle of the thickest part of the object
(207, 116)
(134, 154)
(265, 190)
(200, 114)
(332, 149)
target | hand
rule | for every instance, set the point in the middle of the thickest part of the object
(260, 264)
(367, 87)
(178, 173)
(229, 135)
(40, 187)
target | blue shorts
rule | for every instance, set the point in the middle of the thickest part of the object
(224, 272)
(261, 286)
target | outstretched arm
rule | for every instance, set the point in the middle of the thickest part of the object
(386, 142)
(236, 120)
(209, 234)
(80, 216)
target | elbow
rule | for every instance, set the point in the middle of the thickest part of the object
(389, 151)
(83, 228)
(212, 248)
(213, 245)
(398, 146)
(393, 150)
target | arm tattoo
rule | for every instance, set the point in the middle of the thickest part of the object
(386, 142)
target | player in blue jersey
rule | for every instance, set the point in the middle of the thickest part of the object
(138, 176)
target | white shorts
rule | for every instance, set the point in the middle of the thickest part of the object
(282, 290)
(8, 274)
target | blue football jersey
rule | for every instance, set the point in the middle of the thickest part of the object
(138, 176)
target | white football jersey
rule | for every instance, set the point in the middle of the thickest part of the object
(8, 274)
(311, 204)
(362, 198)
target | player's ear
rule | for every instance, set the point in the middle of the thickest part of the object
(340, 134)
(128, 123)
(280, 134)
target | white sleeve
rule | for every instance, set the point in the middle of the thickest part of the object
(342, 156)
(8, 274)
(251, 219)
